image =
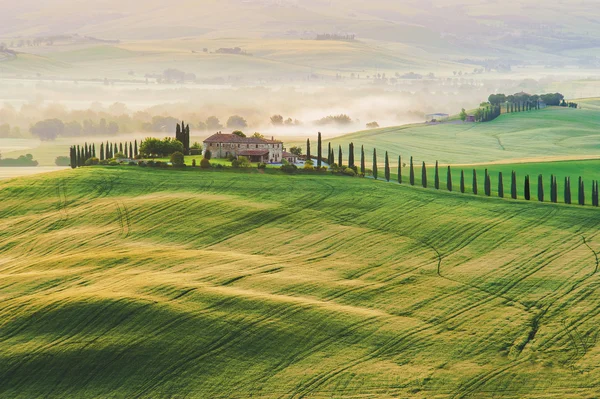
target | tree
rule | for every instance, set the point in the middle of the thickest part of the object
(152, 147)
(351, 156)
(374, 163)
(424, 175)
(372, 125)
(238, 133)
(177, 159)
(463, 115)
(207, 155)
(387, 167)
(330, 159)
(131, 153)
(567, 190)
(362, 160)
(581, 195)
(73, 157)
(102, 151)
(527, 188)
(500, 185)
(540, 188)
(307, 149)
(462, 181)
(449, 179)
(474, 182)
(553, 189)
(513, 185)
(437, 177)
(213, 123)
(399, 169)
(319, 151)
(236, 122)
(48, 130)
(135, 149)
(412, 172)
(296, 150)
(595, 197)
(277, 120)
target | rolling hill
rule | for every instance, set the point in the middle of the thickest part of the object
(131, 282)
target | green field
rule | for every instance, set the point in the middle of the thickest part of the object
(131, 282)
(548, 133)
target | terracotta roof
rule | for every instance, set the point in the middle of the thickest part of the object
(253, 152)
(288, 154)
(234, 138)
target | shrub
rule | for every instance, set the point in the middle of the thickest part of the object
(131, 163)
(193, 163)
(195, 151)
(208, 155)
(159, 164)
(177, 159)
(231, 158)
(308, 166)
(151, 163)
(205, 163)
(368, 172)
(62, 161)
(349, 172)
(142, 164)
(241, 162)
(113, 163)
(92, 161)
(290, 168)
(119, 155)
(262, 165)
(219, 166)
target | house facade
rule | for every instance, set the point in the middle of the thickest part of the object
(254, 148)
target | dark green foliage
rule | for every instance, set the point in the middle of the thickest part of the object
(351, 155)
(121, 148)
(424, 175)
(527, 188)
(553, 189)
(125, 148)
(152, 147)
(131, 154)
(412, 172)
(513, 185)
(595, 199)
(399, 169)
(567, 190)
(500, 185)
(73, 157)
(135, 149)
(94, 150)
(387, 167)
(362, 160)
(319, 150)
(330, 159)
(475, 189)
(437, 176)
(340, 156)
(102, 151)
(462, 181)
(449, 179)
(374, 163)
(540, 188)
(581, 192)
(487, 184)
(307, 149)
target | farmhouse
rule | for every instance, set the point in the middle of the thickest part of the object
(254, 148)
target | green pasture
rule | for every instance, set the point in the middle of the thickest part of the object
(142, 282)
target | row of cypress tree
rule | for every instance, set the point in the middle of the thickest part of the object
(182, 134)
(79, 155)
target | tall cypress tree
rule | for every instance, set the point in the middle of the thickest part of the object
(540, 188)
(340, 156)
(107, 151)
(581, 192)
(351, 155)
(399, 169)
(94, 150)
(595, 198)
(462, 181)
(102, 151)
(329, 160)
(308, 149)
(121, 148)
(187, 140)
(72, 157)
(387, 167)
(552, 190)
(125, 151)
(437, 177)
(131, 154)
(500, 185)
(424, 175)
(527, 188)
(178, 133)
(319, 151)
(78, 156)
(475, 189)
(412, 172)
(135, 149)
(488, 184)
(374, 163)
(362, 159)
(513, 185)
(567, 190)
(449, 179)
(115, 149)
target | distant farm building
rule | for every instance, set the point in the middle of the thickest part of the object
(290, 158)
(254, 148)
(437, 117)
(470, 118)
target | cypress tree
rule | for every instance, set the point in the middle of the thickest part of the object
(78, 156)
(387, 167)
(487, 184)
(135, 149)
(581, 192)
(500, 185)
(527, 188)
(101, 151)
(513, 185)
(449, 179)
(72, 157)
(540, 188)
(412, 172)
(552, 190)
(126, 152)
(187, 140)
(131, 154)
(595, 199)
(462, 181)
(362, 159)
(374, 163)
(475, 182)
(121, 148)
(329, 160)
(178, 133)
(351, 155)
(319, 151)
(399, 169)
(567, 190)
(340, 159)
(115, 149)
(94, 150)
(107, 151)
(437, 177)
(424, 175)
(307, 149)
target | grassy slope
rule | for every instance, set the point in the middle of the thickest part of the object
(546, 133)
(148, 283)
